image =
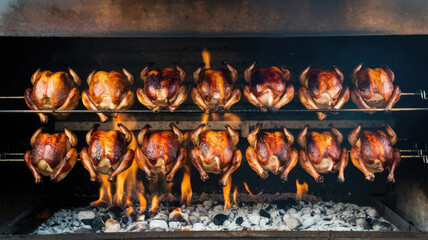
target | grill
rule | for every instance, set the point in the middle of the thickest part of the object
(101, 35)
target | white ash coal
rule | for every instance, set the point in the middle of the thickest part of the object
(208, 214)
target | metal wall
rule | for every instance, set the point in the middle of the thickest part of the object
(223, 18)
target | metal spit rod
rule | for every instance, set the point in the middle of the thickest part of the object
(217, 111)
(421, 154)
(421, 93)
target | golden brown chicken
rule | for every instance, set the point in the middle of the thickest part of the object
(53, 91)
(373, 152)
(215, 88)
(109, 91)
(374, 88)
(271, 152)
(267, 87)
(107, 152)
(52, 155)
(321, 153)
(160, 152)
(213, 152)
(162, 88)
(322, 89)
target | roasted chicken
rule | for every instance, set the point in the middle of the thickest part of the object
(321, 153)
(52, 155)
(322, 89)
(162, 88)
(160, 152)
(107, 152)
(267, 87)
(213, 152)
(271, 152)
(373, 152)
(215, 88)
(374, 88)
(109, 91)
(53, 91)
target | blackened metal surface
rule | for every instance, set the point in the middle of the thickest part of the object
(189, 18)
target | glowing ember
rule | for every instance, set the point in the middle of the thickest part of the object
(248, 189)
(175, 214)
(226, 193)
(301, 189)
(105, 192)
(186, 187)
(235, 192)
(206, 58)
(143, 203)
(155, 203)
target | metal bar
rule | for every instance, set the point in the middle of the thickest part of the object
(254, 110)
(295, 95)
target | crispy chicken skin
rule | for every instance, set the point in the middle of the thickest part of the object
(271, 152)
(215, 88)
(322, 89)
(107, 152)
(321, 153)
(213, 152)
(53, 91)
(109, 91)
(162, 88)
(267, 87)
(52, 155)
(374, 88)
(373, 152)
(160, 152)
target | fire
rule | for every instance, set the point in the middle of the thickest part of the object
(220, 117)
(186, 187)
(248, 189)
(206, 58)
(301, 189)
(105, 192)
(226, 193)
(235, 192)
(155, 203)
(143, 203)
(127, 188)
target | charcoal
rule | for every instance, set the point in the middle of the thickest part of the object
(362, 223)
(263, 213)
(285, 204)
(112, 225)
(382, 226)
(239, 220)
(115, 212)
(97, 224)
(219, 219)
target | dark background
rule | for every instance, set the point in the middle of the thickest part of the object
(405, 55)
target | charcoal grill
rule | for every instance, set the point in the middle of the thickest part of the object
(108, 35)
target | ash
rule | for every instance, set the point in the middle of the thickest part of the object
(208, 214)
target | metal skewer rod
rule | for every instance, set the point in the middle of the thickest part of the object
(402, 94)
(255, 110)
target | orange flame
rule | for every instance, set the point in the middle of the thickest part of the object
(301, 189)
(186, 187)
(226, 193)
(247, 188)
(206, 58)
(105, 192)
(175, 213)
(235, 192)
(126, 185)
(155, 203)
(143, 203)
